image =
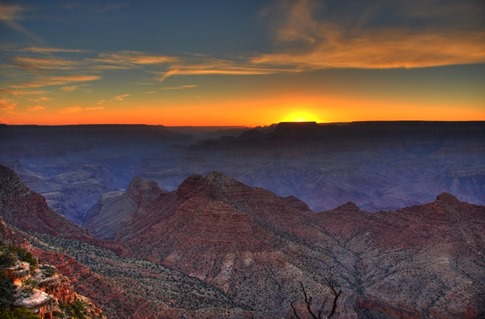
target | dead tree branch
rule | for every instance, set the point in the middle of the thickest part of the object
(308, 302)
(335, 299)
(294, 311)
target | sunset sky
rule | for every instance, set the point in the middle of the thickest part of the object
(240, 62)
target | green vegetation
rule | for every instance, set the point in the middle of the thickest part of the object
(19, 313)
(9, 254)
(76, 309)
(142, 278)
(48, 271)
(7, 257)
(7, 291)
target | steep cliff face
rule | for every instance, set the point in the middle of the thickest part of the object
(22, 208)
(114, 210)
(420, 261)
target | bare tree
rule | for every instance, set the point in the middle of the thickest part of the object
(309, 299)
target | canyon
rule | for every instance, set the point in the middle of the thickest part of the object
(376, 165)
(177, 222)
(217, 247)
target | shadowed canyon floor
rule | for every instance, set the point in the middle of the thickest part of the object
(377, 165)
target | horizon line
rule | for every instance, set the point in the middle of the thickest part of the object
(244, 126)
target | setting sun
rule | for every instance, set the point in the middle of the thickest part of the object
(233, 72)
(301, 116)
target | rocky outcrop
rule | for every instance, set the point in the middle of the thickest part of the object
(25, 209)
(40, 288)
(208, 228)
(141, 190)
(28, 212)
(419, 261)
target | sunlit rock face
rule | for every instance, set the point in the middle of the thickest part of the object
(32, 286)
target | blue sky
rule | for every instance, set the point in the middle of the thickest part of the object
(240, 62)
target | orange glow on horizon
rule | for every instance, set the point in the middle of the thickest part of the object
(301, 116)
(241, 112)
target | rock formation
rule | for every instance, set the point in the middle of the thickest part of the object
(123, 287)
(216, 247)
(34, 287)
(25, 209)
(420, 261)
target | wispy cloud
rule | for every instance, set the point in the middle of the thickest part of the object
(78, 109)
(21, 92)
(336, 42)
(44, 63)
(93, 108)
(189, 70)
(40, 99)
(71, 110)
(76, 78)
(228, 71)
(51, 50)
(69, 88)
(180, 87)
(36, 108)
(7, 105)
(57, 81)
(386, 49)
(10, 14)
(121, 97)
(211, 66)
(133, 58)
